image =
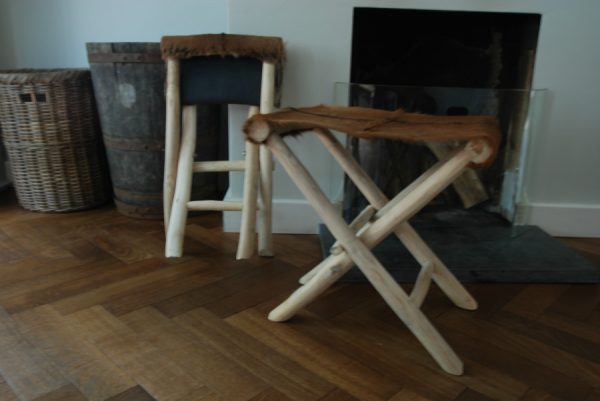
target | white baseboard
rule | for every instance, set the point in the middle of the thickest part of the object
(293, 216)
(290, 216)
(565, 220)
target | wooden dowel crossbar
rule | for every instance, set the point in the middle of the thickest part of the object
(215, 205)
(421, 287)
(183, 186)
(219, 166)
(357, 224)
(248, 224)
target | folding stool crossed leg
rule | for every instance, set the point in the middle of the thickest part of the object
(380, 218)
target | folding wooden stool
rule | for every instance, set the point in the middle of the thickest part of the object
(225, 69)
(381, 217)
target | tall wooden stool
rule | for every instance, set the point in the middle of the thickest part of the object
(382, 217)
(226, 69)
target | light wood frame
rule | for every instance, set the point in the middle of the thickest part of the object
(376, 222)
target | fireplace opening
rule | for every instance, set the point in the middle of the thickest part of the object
(443, 48)
(449, 63)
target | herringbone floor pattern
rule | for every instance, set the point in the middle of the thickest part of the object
(90, 310)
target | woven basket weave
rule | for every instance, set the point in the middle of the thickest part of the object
(51, 134)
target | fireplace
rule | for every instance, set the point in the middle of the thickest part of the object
(455, 63)
(443, 62)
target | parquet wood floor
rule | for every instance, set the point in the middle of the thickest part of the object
(91, 310)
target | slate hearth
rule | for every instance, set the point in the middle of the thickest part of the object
(478, 246)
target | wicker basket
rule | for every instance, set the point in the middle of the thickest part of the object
(51, 134)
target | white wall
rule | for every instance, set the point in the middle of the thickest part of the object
(53, 33)
(562, 185)
(6, 38)
(563, 180)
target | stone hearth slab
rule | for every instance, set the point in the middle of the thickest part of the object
(480, 247)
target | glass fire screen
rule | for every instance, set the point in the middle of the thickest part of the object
(393, 165)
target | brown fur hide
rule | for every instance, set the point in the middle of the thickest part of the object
(368, 123)
(264, 48)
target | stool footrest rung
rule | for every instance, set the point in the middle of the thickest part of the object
(188, 85)
(219, 166)
(421, 287)
(228, 206)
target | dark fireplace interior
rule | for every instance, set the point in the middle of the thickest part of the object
(441, 62)
(443, 48)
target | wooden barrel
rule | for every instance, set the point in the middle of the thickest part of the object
(129, 81)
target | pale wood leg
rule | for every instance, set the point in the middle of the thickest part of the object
(327, 273)
(183, 186)
(265, 231)
(172, 137)
(308, 276)
(392, 293)
(405, 233)
(247, 241)
(363, 218)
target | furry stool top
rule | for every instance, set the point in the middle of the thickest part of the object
(265, 48)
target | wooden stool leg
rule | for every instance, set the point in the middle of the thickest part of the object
(183, 186)
(265, 232)
(392, 293)
(406, 310)
(327, 273)
(172, 137)
(247, 240)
